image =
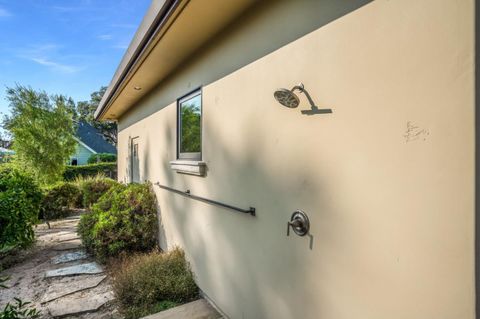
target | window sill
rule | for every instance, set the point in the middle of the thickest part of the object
(189, 167)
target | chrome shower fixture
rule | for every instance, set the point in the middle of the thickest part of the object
(289, 99)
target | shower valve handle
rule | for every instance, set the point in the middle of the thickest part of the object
(299, 223)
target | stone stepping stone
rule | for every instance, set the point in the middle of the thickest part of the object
(70, 286)
(67, 257)
(71, 244)
(51, 236)
(89, 268)
(74, 217)
(66, 236)
(199, 309)
(70, 306)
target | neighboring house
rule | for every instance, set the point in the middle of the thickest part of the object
(5, 154)
(382, 163)
(89, 141)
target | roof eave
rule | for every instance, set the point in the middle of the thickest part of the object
(153, 22)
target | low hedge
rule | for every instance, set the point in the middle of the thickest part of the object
(102, 158)
(60, 199)
(20, 198)
(93, 188)
(123, 220)
(73, 171)
(149, 283)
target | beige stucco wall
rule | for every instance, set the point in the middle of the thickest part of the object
(392, 220)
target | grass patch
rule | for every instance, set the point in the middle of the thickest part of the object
(149, 283)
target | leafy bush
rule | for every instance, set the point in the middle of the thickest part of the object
(93, 188)
(144, 284)
(102, 158)
(72, 171)
(60, 199)
(19, 309)
(20, 199)
(123, 220)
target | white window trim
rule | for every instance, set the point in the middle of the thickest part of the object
(198, 168)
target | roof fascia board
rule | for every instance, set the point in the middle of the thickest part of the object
(139, 48)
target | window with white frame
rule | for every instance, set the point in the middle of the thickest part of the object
(189, 132)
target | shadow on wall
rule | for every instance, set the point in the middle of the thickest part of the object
(248, 259)
(247, 264)
(241, 43)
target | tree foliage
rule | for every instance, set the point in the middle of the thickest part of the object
(20, 199)
(191, 128)
(42, 130)
(86, 110)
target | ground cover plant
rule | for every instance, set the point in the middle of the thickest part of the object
(20, 198)
(149, 283)
(124, 220)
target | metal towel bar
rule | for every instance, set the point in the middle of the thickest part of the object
(186, 193)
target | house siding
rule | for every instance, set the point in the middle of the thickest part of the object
(81, 154)
(387, 179)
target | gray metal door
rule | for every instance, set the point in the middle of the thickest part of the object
(135, 165)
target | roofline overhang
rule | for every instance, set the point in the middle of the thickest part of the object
(156, 18)
(170, 33)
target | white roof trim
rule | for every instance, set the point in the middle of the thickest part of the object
(85, 145)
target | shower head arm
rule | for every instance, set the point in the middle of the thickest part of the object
(299, 87)
(302, 89)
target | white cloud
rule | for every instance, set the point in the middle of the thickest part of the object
(121, 46)
(69, 9)
(4, 13)
(105, 37)
(45, 54)
(64, 68)
(124, 25)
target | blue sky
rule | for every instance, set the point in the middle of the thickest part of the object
(69, 47)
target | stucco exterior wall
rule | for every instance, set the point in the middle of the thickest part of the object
(387, 179)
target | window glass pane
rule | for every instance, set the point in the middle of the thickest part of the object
(190, 132)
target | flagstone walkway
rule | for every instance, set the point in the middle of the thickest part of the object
(59, 278)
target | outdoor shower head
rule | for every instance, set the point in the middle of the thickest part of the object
(287, 98)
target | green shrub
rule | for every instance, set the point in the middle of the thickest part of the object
(74, 171)
(20, 198)
(93, 188)
(144, 284)
(60, 199)
(123, 220)
(102, 158)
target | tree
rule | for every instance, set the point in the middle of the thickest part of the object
(86, 110)
(42, 130)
